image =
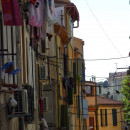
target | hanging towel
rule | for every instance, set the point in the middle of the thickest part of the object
(36, 14)
(11, 13)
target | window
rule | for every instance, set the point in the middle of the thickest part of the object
(114, 116)
(103, 113)
(91, 123)
(88, 89)
(43, 48)
(99, 90)
(42, 72)
(44, 100)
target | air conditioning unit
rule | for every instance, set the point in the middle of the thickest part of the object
(21, 97)
(43, 74)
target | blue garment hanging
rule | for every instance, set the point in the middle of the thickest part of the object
(15, 71)
(7, 65)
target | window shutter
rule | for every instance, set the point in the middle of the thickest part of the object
(114, 115)
(74, 76)
(80, 67)
(83, 74)
(105, 117)
(78, 106)
(43, 46)
(63, 116)
(70, 97)
(65, 65)
(101, 117)
(99, 90)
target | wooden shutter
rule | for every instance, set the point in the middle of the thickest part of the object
(43, 46)
(63, 116)
(114, 115)
(78, 106)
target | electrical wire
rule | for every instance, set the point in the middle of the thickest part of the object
(98, 125)
(98, 59)
(107, 36)
(52, 63)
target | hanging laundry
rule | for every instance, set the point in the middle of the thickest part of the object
(34, 37)
(35, 3)
(36, 14)
(15, 71)
(60, 15)
(11, 13)
(51, 15)
(43, 32)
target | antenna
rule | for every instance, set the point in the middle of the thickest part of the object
(116, 66)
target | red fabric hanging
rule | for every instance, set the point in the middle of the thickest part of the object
(41, 105)
(11, 13)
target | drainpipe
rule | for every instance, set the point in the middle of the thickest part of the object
(18, 57)
(58, 90)
(77, 25)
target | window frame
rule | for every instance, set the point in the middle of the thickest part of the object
(103, 115)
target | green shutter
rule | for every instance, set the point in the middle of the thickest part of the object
(114, 115)
(63, 116)
(78, 106)
(105, 117)
(70, 97)
(101, 117)
(74, 76)
(80, 68)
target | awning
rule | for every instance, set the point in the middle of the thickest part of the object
(62, 33)
(73, 11)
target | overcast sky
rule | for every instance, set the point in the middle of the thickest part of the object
(105, 29)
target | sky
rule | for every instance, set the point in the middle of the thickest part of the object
(105, 29)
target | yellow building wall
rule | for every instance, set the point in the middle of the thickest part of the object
(91, 101)
(110, 119)
(78, 43)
